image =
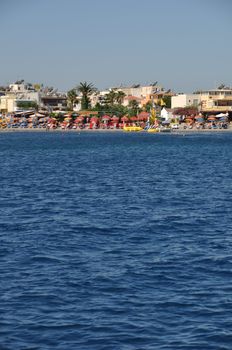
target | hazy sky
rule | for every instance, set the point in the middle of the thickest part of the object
(183, 44)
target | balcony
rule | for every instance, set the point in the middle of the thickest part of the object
(217, 109)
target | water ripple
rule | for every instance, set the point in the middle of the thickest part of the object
(115, 241)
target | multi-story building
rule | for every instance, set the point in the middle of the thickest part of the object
(17, 94)
(208, 101)
(20, 93)
(218, 100)
(139, 90)
(7, 103)
(53, 102)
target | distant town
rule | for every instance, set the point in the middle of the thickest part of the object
(127, 105)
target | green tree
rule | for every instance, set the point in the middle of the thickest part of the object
(167, 100)
(133, 108)
(86, 89)
(72, 98)
(111, 97)
(27, 104)
(148, 106)
(120, 97)
(116, 109)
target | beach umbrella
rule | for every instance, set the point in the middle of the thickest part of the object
(94, 119)
(115, 119)
(223, 119)
(133, 119)
(189, 117)
(199, 119)
(52, 120)
(143, 115)
(220, 115)
(211, 117)
(105, 117)
(124, 119)
(189, 120)
(79, 119)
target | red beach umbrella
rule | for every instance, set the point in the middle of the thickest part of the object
(133, 119)
(211, 117)
(124, 119)
(143, 116)
(115, 118)
(79, 119)
(105, 117)
(94, 119)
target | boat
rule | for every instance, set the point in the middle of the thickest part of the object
(132, 128)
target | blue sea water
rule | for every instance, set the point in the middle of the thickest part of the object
(115, 241)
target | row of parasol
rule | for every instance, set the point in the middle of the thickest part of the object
(210, 118)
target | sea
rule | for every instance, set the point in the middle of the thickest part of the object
(115, 241)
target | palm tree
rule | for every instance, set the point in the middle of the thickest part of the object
(148, 106)
(133, 108)
(111, 97)
(120, 97)
(133, 104)
(86, 90)
(72, 98)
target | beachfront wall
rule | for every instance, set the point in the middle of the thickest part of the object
(185, 100)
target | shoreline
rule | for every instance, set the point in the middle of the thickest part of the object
(175, 131)
(59, 130)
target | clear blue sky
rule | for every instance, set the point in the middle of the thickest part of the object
(183, 44)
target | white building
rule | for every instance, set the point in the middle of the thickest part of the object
(166, 114)
(20, 94)
(185, 100)
(139, 91)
